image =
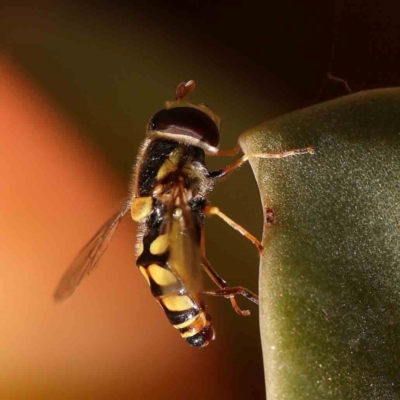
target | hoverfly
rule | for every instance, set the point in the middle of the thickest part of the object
(168, 201)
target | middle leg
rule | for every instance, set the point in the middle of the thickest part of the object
(210, 210)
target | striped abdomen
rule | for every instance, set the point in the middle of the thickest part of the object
(181, 307)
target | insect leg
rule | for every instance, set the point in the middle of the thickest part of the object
(232, 167)
(229, 292)
(222, 284)
(228, 153)
(210, 210)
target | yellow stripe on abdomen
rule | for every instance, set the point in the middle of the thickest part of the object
(193, 325)
(161, 276)
(177, 302)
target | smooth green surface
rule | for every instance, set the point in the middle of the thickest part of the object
(330, 281)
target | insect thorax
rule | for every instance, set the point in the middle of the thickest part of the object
(166, 164)
(174, 175)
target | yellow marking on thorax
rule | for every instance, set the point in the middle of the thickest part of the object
(160, 275)
(141, 207)
(159, 245)
(176, 155)
(178, 303)
(166, 169)
(170, 164)
(144, 273)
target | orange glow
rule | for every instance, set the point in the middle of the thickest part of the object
(111, 338)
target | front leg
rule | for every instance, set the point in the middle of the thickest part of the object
(220, 173)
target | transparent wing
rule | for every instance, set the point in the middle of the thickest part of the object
(184, 255)
(89, 256)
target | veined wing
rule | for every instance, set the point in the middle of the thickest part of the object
(89, 256)
(184, 249)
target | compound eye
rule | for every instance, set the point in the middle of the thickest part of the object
(187, 124)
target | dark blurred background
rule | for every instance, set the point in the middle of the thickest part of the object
(106, 67)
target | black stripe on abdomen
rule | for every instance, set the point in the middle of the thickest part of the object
(177, 317)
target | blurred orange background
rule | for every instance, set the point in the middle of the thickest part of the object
(111, 339)
(78, 84)
(59, 184)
